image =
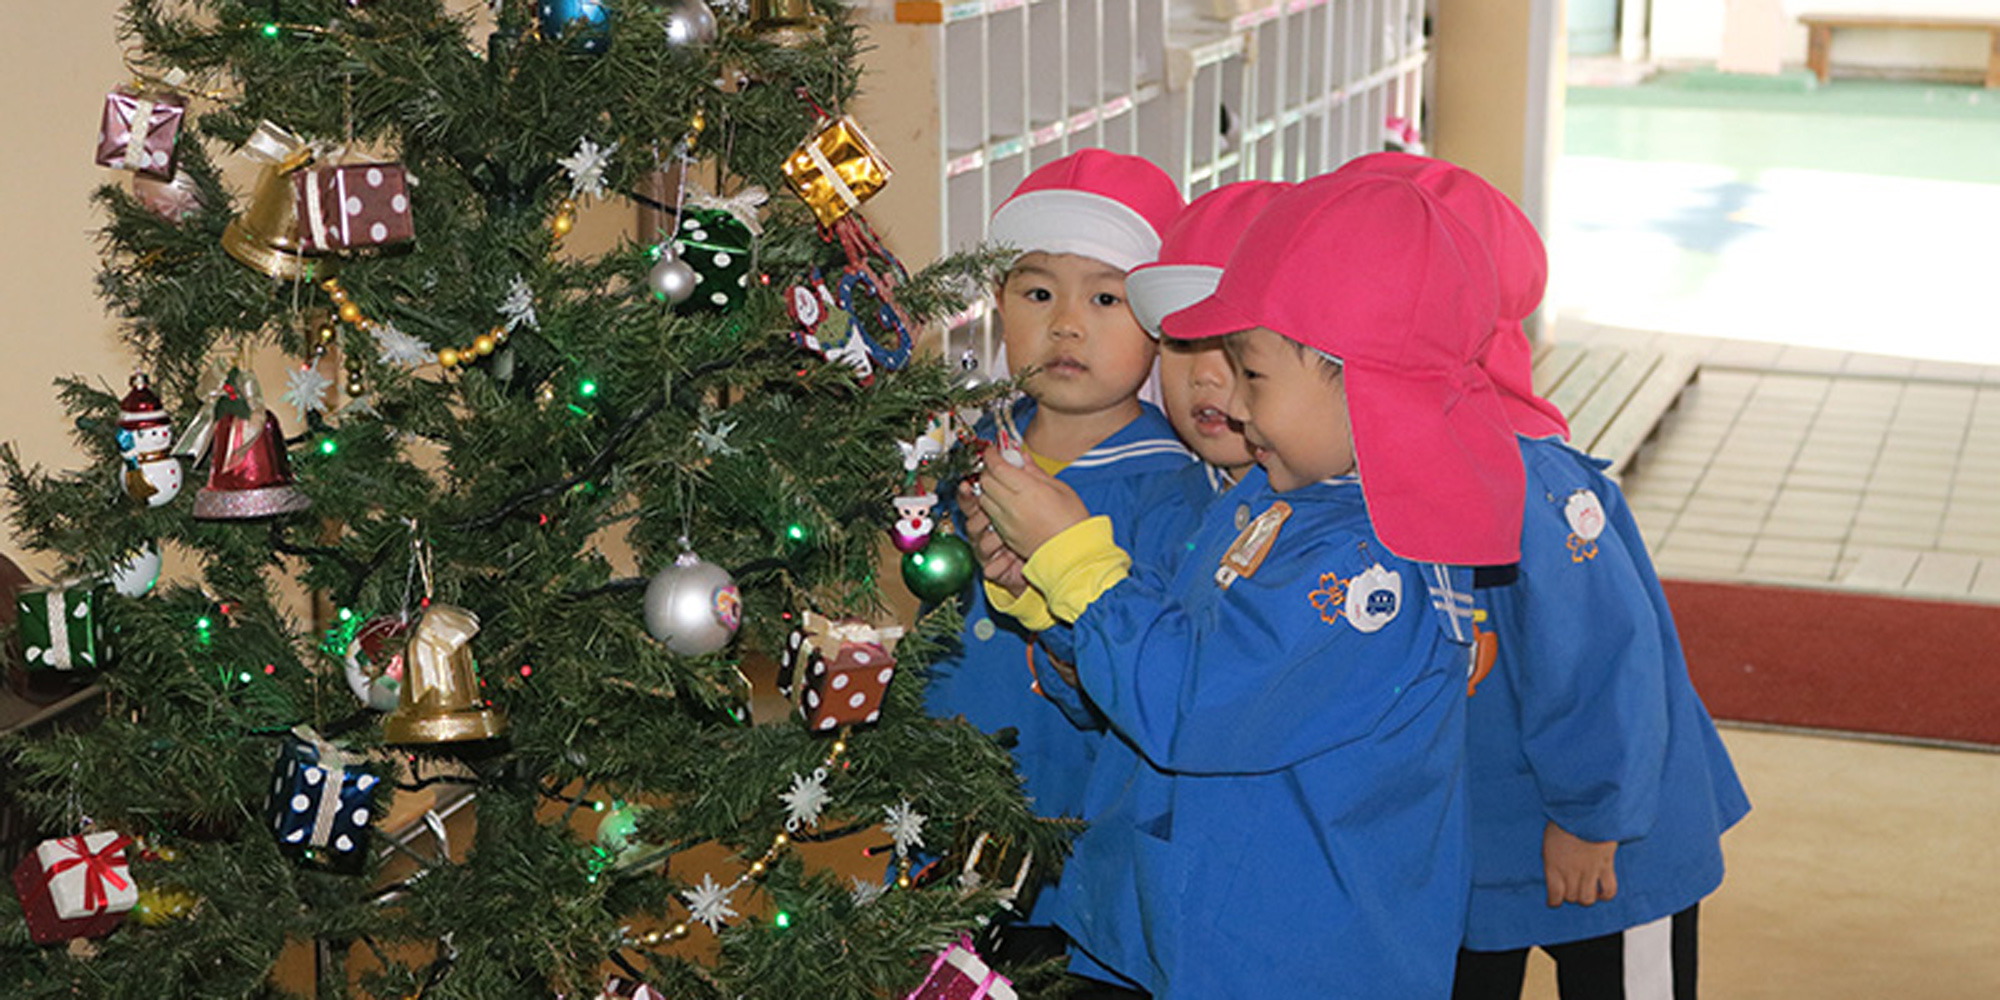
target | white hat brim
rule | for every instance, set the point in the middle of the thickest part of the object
(1159, 290)
(1075, 222)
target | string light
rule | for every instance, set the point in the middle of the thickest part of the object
(328, 446)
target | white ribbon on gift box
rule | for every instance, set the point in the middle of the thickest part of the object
(991, 984)
(333, 761)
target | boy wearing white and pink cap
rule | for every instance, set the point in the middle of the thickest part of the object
(1081, 222)
(1095, 904)
(1296, 685)
(1599, 788)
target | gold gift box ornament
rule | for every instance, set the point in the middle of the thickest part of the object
(836, 170)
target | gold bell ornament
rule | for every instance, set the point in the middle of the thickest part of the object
(265, 236)
(440, 697)
(790, 24)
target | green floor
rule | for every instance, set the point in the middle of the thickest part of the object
(1885, 128)
(1859, 216)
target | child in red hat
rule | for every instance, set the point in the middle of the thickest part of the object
(1080, 223)
(1599, 788)
(1295, 683)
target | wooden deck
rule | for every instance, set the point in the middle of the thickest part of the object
(1614, 398)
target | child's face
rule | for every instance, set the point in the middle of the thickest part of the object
(1066, 316)
(1293, 409)
(1195, 383)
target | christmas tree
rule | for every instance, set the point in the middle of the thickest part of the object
(487, 421)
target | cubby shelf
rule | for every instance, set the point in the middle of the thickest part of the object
(965, 98)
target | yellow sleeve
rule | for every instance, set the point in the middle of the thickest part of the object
(1029, 609)
(1074, 567)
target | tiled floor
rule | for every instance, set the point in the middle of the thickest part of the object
(1822, 468)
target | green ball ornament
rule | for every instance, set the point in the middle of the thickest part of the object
(941, 569)
(616, 830)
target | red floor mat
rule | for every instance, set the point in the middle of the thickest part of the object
(1832, 660)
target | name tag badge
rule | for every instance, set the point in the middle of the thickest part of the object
(1252, 544)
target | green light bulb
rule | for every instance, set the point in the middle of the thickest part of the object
(270, 29)
(782, 921)
(202, 624)
(328, 446)
(795, 531)
(586, 388)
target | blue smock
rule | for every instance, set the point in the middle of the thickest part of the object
(1588, 719)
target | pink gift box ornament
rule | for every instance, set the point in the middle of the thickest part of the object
(960, 974)
(140, 131)
(75, 887)
(353, 205)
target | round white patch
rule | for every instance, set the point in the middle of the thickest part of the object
(300, 803)
(313, 775)
(401, 203)
(720, 298)
(1374, 598)
(374, 176)
(295, 836)
(812, 699)
(378, 232)
(352, 205)
(365, 782)
(860, 698)
(872, 716)
(700, 234)
(887, 672)
(863, 657)
(983, 629)
(361, 817)
(343, 843)
(1585, 514)
(723, 259)
(827, 723)
(840, 682)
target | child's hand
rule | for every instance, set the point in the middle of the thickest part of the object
(1002, 565)
(1578, 871)
(1028, 506)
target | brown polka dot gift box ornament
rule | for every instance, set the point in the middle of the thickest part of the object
(353, 205)
(838, 671)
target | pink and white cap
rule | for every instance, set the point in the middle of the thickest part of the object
(1377, 273)
(1193, 250)
(1093, 203)
(1520, 269)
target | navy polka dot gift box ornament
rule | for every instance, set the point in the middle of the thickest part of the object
(321, 802)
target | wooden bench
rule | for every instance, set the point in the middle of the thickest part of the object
(1820, 28)
(1614, 398)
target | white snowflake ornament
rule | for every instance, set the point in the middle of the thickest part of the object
(394, 347)
(805, 801)
(586, 168)
(519, 306)
(866, 892)
(709, 902)
(905, 826)
(306, 390)
(715, 439)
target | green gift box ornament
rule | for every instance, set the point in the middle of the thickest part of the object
(716, 239)
(60, 628)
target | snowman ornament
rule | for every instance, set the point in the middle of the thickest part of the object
(145, 437)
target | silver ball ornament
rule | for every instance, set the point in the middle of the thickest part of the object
(689, 23)
(693, 606)
(672, 281)
(136, 576)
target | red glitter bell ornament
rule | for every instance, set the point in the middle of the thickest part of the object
(248, 474)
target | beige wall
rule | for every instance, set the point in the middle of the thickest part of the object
(56, 62)
(1496, 96)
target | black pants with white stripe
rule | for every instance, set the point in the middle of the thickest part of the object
(1653, 961)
